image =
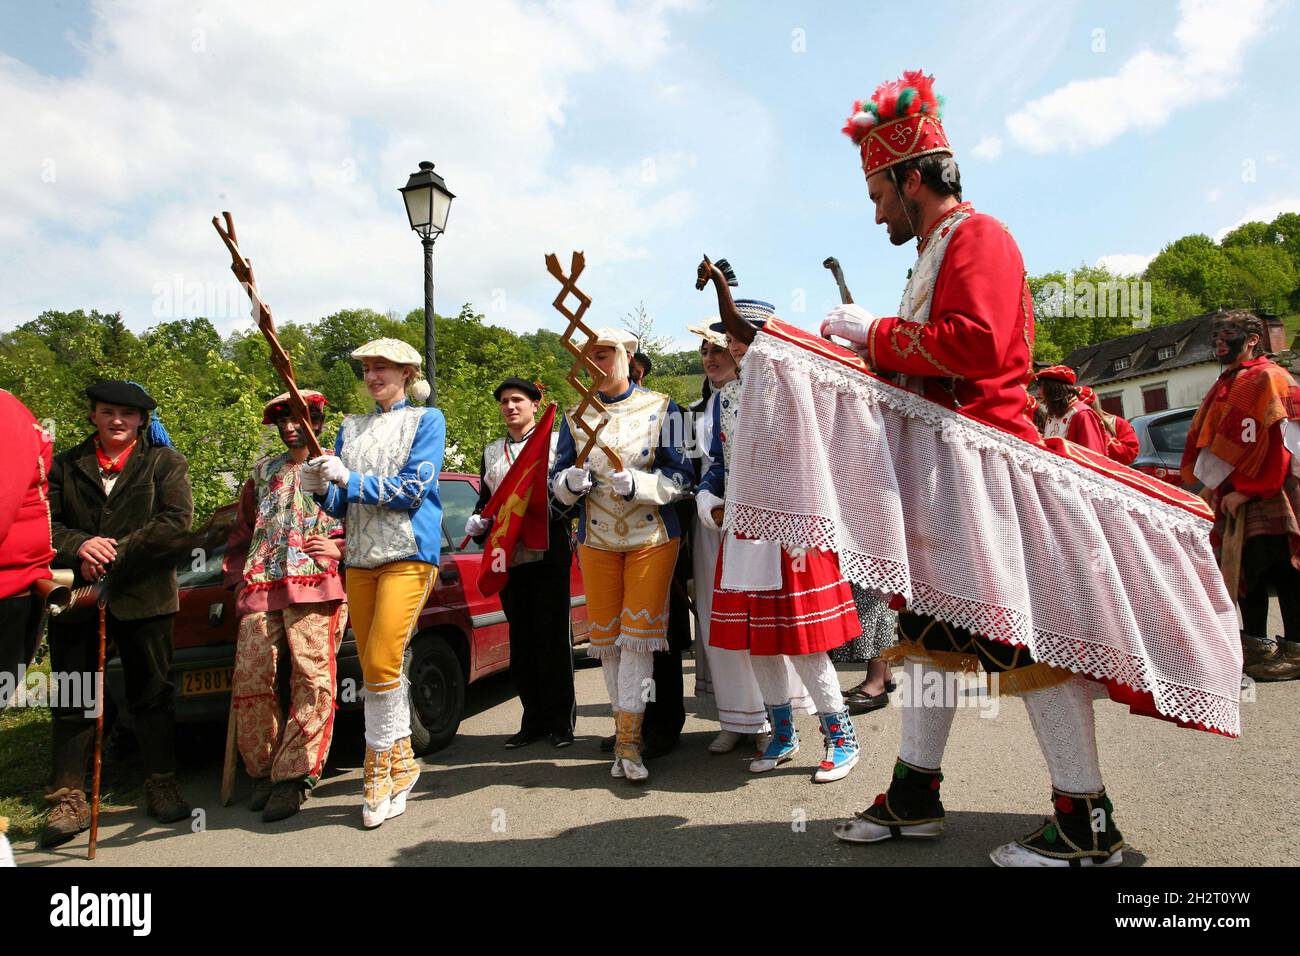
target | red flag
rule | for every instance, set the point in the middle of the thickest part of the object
(520, 508)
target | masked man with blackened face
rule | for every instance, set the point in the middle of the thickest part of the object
(1241, 446)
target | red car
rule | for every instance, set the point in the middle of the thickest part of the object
(462, 636)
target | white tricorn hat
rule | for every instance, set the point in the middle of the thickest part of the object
(395, 350)
(607, 335)
(703, 331)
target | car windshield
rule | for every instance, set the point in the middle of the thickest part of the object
(204, 571)
(1170, 434)
(458, 501)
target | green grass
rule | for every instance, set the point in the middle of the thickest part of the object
(25, 770)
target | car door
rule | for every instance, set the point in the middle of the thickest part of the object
(491, 636)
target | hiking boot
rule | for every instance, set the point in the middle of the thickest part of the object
(69, 816)
(286, 799)
(1284, 664)
(163, 800)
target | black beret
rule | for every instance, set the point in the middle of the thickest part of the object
(644, 360)
(525, 386)
(116, 392)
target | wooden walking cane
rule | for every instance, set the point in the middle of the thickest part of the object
(99, 727)
(243, 270)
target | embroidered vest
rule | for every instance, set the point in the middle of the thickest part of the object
(496, 463)
(918, 294)
(379, 444)
(613, 523)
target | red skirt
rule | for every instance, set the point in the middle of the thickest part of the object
(813, 610)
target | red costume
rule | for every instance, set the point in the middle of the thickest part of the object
(1121, 440)
(25, 551)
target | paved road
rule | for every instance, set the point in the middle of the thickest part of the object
(1183, 798)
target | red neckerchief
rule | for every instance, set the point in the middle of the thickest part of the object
(112, 466)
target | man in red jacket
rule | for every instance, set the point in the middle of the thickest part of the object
(963, 338)
(25, 548)
(1065, 414)
(1240, 446)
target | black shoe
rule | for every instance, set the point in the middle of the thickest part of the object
(865, 703)
(287, 798)
(521, 739)
(562, 738)
(607, 744)
(261, 793)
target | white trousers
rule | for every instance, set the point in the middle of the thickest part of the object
(728, 676)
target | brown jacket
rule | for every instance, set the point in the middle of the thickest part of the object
(149, 510)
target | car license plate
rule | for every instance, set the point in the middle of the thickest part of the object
(209, 680)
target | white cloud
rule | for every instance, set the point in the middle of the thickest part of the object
(1124, 263)
(1264, 212)
(304, 121)
(1211, 38)
(990, 148)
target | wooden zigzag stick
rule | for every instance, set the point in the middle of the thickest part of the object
(243, 270)
(582, 358)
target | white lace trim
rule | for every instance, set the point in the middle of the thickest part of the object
(1167, 625)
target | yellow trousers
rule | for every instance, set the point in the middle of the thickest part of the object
(627, 596)
(385, 604)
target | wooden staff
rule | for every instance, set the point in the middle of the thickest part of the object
(99, 727)
(582, 358)
(243, 270)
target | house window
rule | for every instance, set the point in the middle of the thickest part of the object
(1155, 398)
(1121, 364)
(1112, 403)
(1167, 352)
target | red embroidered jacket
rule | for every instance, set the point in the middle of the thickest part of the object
(975, 350)
(25, 548)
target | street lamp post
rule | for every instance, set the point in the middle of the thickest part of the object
(428, 203)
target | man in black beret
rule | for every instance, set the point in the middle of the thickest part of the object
(639, 367)
(536, 595)
(118, 500)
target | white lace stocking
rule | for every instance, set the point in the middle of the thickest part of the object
(1062, 719)
(634, 670)
(818, 674)
(773, 678)
(926, 723)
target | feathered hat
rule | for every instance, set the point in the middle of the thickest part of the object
(900, 122)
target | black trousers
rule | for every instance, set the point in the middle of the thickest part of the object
(666, 714)
(145, 649)
(1265, 565)
(536, 602)
(19, 624)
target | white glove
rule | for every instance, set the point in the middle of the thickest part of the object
(705, 502)
(851, 322)
(332, 469)
(475, 525)
(311, 480)
(577, 480)
(622, 483)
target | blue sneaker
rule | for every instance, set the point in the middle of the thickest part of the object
(784, 743)
(842, 747)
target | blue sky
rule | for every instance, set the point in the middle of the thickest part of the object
(644, 134)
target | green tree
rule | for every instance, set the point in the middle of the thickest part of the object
(1198, 267)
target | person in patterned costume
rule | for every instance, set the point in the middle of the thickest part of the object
(628, 533)
(282, 560)
(383, 482)
(963, 338)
